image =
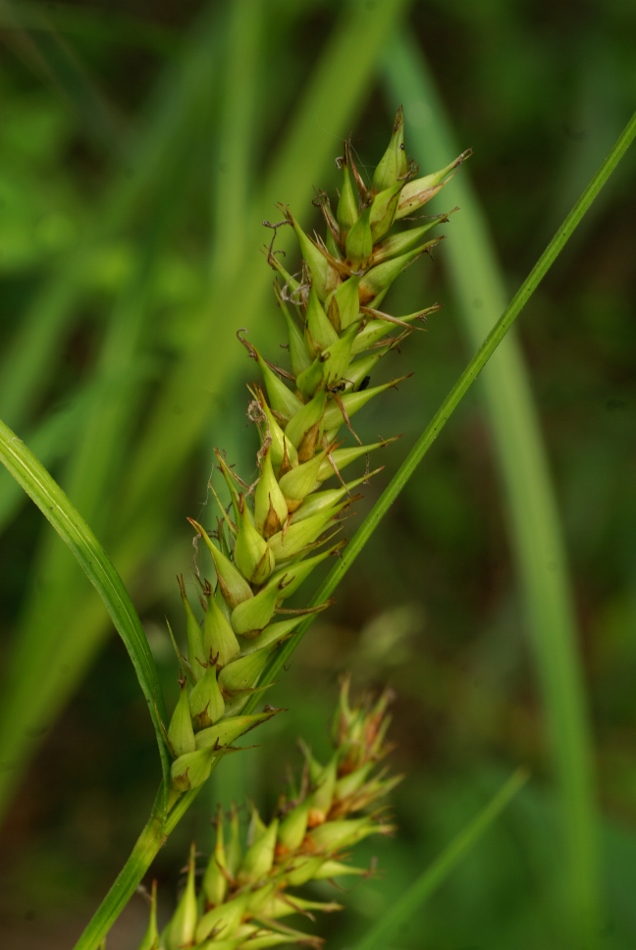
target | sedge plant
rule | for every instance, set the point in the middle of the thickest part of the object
(247, 892)
(279, 528)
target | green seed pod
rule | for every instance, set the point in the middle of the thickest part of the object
(319, 332)
(259, 857)
(377, 328)
(301, 869)
(192, 769)
(344, 305)
(290, 578)
(322, 797)
(196, 654)
(252, 616)
(284, 906)
(351, 782)
(298, 482)
(180, 731)
(393, 166)
(284, 455)
(222, 920)
(351, 403)
(206, 702)
(382, 212)
(181, 929)
(274, 633)
(242, 673)
(252, 554)
(331, 869)
(296, 537)
(219, 640)
(340, 459)
(215, 884)
(223, 733)
(234, 587)
(282, 399)
(324, 277)
(270, 507)
(347, 212)
(320, 501)
(298, 355)
(336, 358)
(231, 482)
(359, 243)
(305, 419)
(234, 851)
(311, 379)
(416, 193)
(264, 939)
(293, 829)
(376, 283)
(150, 940)
(331, 837)
(399, 244)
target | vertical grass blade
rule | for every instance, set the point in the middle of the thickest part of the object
(557, 661)
(394, 922)
(93, 560)
(532, 509)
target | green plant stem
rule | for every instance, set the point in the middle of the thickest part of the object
(146, 848)
(148, 844)
(153, 835)
(391, 923)
(456, 394)
(530, 504)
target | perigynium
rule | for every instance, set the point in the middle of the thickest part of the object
(278, 529)
(247, 892)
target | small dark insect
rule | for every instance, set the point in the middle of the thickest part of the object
(365, 382)
(339, 387)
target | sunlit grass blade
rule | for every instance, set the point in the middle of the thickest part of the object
(532, 509)
(395, 920)
(91, 474)
(93, 560)
(48, 443)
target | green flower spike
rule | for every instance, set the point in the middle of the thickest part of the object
(248, 891)
(274, 533)
(180, 931)
(151, 937)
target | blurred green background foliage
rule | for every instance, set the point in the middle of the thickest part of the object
(141, 147)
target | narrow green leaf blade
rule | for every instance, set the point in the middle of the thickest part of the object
(94, 561)
(391, 923)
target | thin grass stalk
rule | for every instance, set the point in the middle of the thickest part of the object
(395, 920)
(456, 394)
(533, 517)
(85, 628)
(428, 437)
(92, 558)
(90, 474)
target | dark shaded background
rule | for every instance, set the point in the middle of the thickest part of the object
(540, 91)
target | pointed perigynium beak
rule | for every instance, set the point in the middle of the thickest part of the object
(276, 531)
(247, 888)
